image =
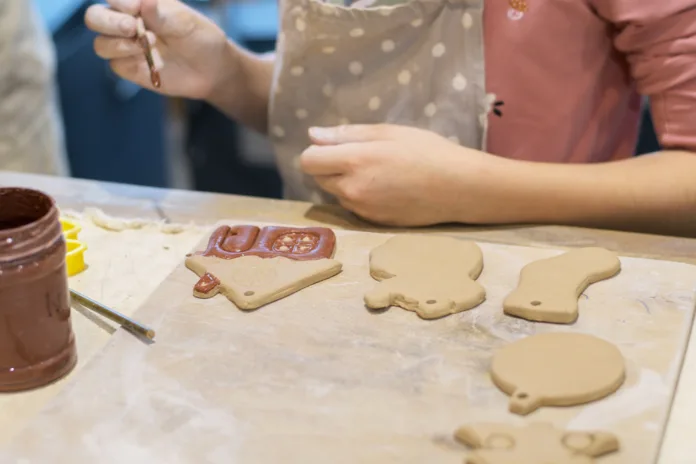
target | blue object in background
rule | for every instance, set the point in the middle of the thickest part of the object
(212, 139)
(114, 130)
(57, 12)
(252, 21)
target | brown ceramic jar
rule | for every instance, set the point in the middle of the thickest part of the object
(37, 345)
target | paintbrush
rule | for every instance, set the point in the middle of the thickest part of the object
(141, 36)
(124, 321)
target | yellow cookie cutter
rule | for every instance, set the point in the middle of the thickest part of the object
(71, 229)
(75, 256)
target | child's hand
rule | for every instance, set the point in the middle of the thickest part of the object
(394, 175)
(190, 51)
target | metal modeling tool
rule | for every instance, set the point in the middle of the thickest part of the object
(141, 36)
(125, 322)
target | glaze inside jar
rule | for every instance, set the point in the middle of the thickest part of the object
(29, 227)
(19, 207)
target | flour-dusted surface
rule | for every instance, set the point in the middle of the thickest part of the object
(318, 378)
(123, 269)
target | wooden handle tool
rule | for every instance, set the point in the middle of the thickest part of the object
(141, 36)
(124, 321)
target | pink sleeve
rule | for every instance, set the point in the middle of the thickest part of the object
(658, 38)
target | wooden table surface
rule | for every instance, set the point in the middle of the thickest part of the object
(203, 209)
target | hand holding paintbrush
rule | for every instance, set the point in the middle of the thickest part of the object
(168, 46)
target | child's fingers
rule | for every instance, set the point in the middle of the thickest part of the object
(131, 7)
(103, 20)
(111, 48)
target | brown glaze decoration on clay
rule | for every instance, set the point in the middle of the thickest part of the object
(557, 369)
(37, 345)
(253, 267)
(549, 289)
(270, 242)
(206, 284)
(433, 276)
(534, 444)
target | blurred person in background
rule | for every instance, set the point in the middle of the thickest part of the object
(31, 130)
(418, 112)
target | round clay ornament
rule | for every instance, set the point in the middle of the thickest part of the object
(557, 369)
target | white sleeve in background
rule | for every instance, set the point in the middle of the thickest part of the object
(31, 129)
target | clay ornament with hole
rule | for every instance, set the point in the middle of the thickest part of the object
(433, 276)
(557, 369)
(253, 267)
(536, 443)
(548, 289)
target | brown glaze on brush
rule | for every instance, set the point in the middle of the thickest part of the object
(141, 37)
(37, 345)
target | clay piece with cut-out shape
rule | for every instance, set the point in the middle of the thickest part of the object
(253, 267)
(433, 276)
(536, 443)
(548, 289)
(557, 369)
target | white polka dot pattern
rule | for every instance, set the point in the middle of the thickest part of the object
(355, 68)
(459, 83)
(467, 20)
(327, 90)
(430, 110)
(381, 60)
(278, 131)
(439, 50)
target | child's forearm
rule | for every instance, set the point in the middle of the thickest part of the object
(243, 92)
(653, 193)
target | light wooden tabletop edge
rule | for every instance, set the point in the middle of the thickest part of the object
(208, 208)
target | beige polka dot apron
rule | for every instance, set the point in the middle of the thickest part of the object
(417, 63)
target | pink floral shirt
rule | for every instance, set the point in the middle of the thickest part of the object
(569, 74)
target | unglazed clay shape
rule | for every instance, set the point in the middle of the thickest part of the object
(549, 289)
(537, 443)
(433, 276)
(253, 267)
(251, 281)
(557, 369)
